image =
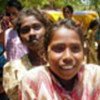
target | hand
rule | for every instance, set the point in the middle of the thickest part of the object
(1, 89)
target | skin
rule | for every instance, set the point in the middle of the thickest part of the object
(65, 53)
(67, 14)
(13, 12)
(37, 31)
(1, 37)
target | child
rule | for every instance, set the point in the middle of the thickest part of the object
(66, 77)
(31, 27)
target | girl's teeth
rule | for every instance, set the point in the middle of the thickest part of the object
(67, 67)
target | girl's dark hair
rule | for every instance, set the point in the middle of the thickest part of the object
(69, 7)
(31, 12)
(69, 24)
(93, 24)
(14, 3)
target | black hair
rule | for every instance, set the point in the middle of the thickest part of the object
(70, 24)
(31, 12)
(69, 7)
(41, 18)
(93, 24)
(14, 3)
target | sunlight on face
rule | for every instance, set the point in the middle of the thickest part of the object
(65, 53)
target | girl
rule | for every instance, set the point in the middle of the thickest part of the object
(31, 27)
(66, 77)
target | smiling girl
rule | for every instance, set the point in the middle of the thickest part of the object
(66, 77)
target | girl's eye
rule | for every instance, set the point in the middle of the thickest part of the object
(58, 48)
(75, 48)
(25, 29)
(36, 26)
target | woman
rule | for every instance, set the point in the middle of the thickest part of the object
(13, 46)
(31, 27)
(91, 42)
(66, 77)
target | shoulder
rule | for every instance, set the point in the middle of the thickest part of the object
(14, 63)
(37, 70)
(92, 67)
(7, 31)
(13, 68)
(37, 73)
(10, 32)
(92, 78)
(13, 71)
(92, 71)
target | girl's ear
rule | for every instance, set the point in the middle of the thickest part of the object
(46, 56)
(85, 49)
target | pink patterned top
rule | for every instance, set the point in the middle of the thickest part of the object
(40, 84)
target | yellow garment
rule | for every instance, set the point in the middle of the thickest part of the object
(85, 17)
(53, 15)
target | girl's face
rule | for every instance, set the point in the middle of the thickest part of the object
(65, 53)
(12, 12)
(31, 31)
(67, 13)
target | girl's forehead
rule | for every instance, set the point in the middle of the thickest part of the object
(65, 35)
(69, 39)
(29, 20)
(65, 32)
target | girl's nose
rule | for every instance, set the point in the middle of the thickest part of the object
(68, 56)
(32, 32)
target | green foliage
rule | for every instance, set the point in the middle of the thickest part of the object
(2, 5)
(77, 5)
(34, 3)
(96, 5)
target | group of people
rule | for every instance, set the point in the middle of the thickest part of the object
(6, 22)
(91, 36)
(44, 60)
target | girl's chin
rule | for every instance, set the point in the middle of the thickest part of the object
(67, 78)
(67, 75)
